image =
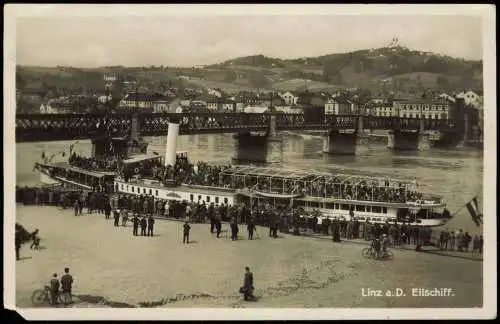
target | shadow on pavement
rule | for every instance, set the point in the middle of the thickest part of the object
(102, 301)
(463, 257)
(25, 258)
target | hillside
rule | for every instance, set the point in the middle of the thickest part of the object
(397, 69)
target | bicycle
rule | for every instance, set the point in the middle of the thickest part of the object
(42, 297)
(370, 253)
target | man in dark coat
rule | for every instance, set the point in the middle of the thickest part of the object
(117, 218)
(107, 209)
(18, 242)
(151, 223)
(218, 224)
(250, 227)
(135, 221)
(248, 287)
(144, 225)
(211, 217)
(185, 236)
(234, 229)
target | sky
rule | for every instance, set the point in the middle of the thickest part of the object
(208, 39)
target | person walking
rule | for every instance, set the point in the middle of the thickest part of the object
(151, 223)
(218, 225)
(66, 284)
(248, 285)
(144, 224)
(185, 236)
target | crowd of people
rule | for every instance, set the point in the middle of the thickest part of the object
(281, 218)
(92, 163)
(460, 241)
(334, 187)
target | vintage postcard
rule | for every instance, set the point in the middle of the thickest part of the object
(279, 162)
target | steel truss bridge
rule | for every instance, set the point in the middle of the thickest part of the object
(52, 127)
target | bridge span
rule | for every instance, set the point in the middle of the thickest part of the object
(53, 127)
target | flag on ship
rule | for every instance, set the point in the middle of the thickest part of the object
(473, 208)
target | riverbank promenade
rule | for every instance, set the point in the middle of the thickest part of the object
(113, 268)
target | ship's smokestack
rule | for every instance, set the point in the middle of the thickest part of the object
(171, 149)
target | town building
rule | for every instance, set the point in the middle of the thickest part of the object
(471, 99)
(338, 105)
(290, 97)
(423, 108)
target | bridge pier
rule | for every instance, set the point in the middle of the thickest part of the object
(259, 148)
(408, 141)
(338, 143)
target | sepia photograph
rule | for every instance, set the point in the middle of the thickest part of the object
(213, 162)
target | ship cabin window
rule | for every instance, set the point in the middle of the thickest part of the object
(361, 218)
(384, 210)
(150, 191)
(156, 192)
(122, 186)
(199, 197)
(337, 206)
(368, 209)
(208, 199)
(191, 197)
(344, 207)
(225, 201)
(360, 208)
(368, 218)
(418, 221)
(144, 190)
(376, 209)
(127, 188)
(132, 188)
(314, 204)
(216, 200)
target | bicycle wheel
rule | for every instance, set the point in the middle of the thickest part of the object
(389, 255)
(367, 253)
(39, 298)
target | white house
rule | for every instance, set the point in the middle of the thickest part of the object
(471, 99)
(338, 106)
(290, 97)
(215, 92)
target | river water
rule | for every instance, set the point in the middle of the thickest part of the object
(455, 174)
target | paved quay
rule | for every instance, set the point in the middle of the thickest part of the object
(112, 268)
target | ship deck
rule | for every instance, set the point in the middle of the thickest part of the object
(66, 166)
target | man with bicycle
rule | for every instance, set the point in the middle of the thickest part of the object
(54, 290)
(376, 246)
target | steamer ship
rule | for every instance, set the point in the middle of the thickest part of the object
(348, 196)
